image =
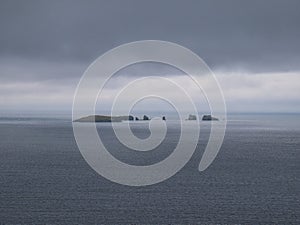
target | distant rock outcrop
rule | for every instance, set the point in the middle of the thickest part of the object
(209, 118)
(101, 118)
(145, 117)
(163, 118)
(192, 117)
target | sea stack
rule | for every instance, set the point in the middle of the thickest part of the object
(192, 117)
(208, 118)
(145, 117)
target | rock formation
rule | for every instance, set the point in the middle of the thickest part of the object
(192, 117)
(145, 117)
(101, 118)
(209, 118)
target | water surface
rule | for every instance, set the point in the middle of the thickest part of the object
(254, 179)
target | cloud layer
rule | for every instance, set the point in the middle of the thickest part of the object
(253, 47)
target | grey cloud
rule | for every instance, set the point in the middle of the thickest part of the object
(25, 70)
(255, 35)
(45, 46)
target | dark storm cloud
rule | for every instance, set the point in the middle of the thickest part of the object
(253, 35)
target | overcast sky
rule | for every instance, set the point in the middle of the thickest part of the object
(253, 47)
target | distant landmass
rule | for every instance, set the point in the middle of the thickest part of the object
(204, 117)
(209, 118)
(192, 117)
(101, 118)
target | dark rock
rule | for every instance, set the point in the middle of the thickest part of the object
(137, 119)
(130, 118)
(163, 118)
(101, 118)
(145, 117)
(192, 117)
(209, 118)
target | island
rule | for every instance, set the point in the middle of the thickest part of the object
(102, 118)
(192, 117)
(209, 118)
(146, 117)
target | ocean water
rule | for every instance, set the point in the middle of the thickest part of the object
(253, 180)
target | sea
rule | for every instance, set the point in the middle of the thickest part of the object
(255, 178)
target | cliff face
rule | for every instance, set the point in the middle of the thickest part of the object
(101, 118)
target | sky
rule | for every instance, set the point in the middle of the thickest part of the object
(253, 48)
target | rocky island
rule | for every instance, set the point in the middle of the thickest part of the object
(192, 117)
(209, 118)
(101, 118)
